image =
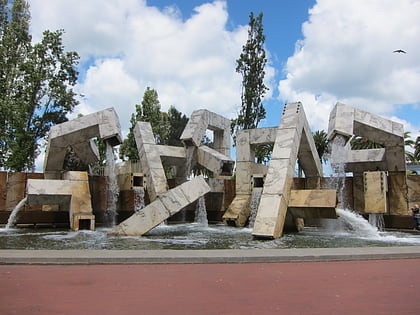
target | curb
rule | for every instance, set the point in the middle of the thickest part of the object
(83, 257)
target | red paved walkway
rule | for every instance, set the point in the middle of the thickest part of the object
(348, 287)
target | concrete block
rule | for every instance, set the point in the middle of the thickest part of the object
(262, 135)
(143, 133)
(243, 177)
(195, 188)
(142, 221)
(174, 200)
(279, 177)
(375, 191)
(238, 211)
(287, 144)
(341, 121)
(270, 218)
(244, 152)
(78, 133)
(215, 161)
(162, 208)
(314, 198)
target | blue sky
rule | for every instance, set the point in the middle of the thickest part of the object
(320, 52)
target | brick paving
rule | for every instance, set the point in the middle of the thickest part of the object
(334, 287)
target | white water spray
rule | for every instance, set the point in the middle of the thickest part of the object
(201, 212)
(355, 223)
(13, 216)
(113, 189)
(255, 202)
(377, 220)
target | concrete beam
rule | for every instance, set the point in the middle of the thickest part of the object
(71, 193)
(78, 133)
(162, 208)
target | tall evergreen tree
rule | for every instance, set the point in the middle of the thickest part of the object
(251, 65)
(36, 83)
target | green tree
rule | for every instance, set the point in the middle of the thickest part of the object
(167, 127)
(362, 143)
(321, 144)
(177, 122)
(36, 83)
(251, 65)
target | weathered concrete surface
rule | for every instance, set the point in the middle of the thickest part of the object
(150, 160)
(215, 161)
(293, 139)
(349, 121)
(78, 133)
(375, 191)
(164, 206)
(71, 194)
(314, 204)
(201, 120)
(238, 211)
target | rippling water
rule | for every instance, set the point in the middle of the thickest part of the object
(196, 236)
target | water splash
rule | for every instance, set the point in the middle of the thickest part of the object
(201, 212)
(377, 220)
(113, 189)
(13, 216)
(255, 202)
(355, 223)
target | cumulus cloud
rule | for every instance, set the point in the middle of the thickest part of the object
(127, 45)
(347, 55)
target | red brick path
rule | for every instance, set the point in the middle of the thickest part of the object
(352, 287)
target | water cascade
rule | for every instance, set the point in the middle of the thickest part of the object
(338, 162)
(189, 163)
(377, 220)
(201, 212)
(113, 189)
(13, 216)
(354, 222)
(255, 201)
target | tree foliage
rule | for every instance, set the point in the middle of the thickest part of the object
(321, 144)
(166, 127)
(36, 83)
(251, 65)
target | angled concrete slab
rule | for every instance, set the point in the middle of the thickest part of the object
(293, 139)
(166, 205)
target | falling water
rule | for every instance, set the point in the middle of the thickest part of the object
(255, 201)
(138, 198)
(354, 222)
(377, 220)
(190, 150)
(113, 189)
(201, 212)
(13, 216)
(338, 162)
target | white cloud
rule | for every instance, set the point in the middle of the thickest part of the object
(347, 55)
(128, 45)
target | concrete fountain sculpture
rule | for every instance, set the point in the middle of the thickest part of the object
(292, 141)
(379, 175)
(70, 190)
(279, 203)
(166, 202)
